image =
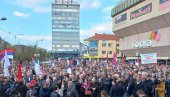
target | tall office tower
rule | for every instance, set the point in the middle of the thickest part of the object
(65, 28)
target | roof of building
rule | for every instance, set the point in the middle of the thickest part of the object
(103, 37)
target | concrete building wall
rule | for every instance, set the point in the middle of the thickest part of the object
(154, 13)
(126, 42)
(107, 49)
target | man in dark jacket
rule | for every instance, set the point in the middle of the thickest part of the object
(107, 84)
(44, 91)
(147, 86)
(116, 90)
(138, 85)
(71, 90)
(167, 85)
(3, 88)
(22, 89)
(55, 93)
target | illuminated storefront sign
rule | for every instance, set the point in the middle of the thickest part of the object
(142, 44)
(121, 18)
(142, 11)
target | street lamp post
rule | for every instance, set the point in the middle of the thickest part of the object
(3, 18)
(36, 47)
(16, 37)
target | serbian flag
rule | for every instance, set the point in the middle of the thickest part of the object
(10, 54)
(33, 61)
(114, 59)
(20, 71)
(123, 59)
(6, 65)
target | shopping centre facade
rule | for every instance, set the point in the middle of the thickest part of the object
(143, 27)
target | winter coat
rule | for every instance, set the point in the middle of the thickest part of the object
(116, 91)
(136, 88)
(147, 87)
(22, 89)
(161, 89)
(44, 92)
(72, 92)
(3, 89)
(107, 84)
(54, 94)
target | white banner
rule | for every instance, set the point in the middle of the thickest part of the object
(148, 58)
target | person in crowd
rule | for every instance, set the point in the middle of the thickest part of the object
(44, 91)
(167, 85)
(3, 87)
(141, 93)
(121, 80)
(22, 88)
(55, 93)
(116, 90)
(71, 90)
(161, 87)
(147, 85)
(104, 93)
(138, 85)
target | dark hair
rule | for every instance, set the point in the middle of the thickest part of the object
(56, 87)
(140, 92)
(103, 92)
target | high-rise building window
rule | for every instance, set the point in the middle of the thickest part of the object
(103, 52)
(103, 44)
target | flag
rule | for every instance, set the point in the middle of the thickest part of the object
(33, 61)
(114, 59)
(6, 65)
(37, 68)
(10, 53)
(69, 66)
(123, 59)
(164, 4)
(20, 71)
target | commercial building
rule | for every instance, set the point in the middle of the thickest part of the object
(65, 28)
(143, 27)
(100, 45)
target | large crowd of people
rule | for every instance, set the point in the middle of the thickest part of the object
(87, 79)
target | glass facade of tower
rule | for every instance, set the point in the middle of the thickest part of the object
(65, 26)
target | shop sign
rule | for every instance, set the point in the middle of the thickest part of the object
(164, 4)
(121, 18)
(142, 44)
(142, 11)
(148, 58)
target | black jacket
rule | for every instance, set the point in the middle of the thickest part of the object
(136, 88)
(116, 91)
(54, 94)
(3, 89)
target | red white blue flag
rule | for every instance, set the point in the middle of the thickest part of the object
(10, 54)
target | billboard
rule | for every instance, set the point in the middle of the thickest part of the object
(148, 58)
(141, 11)
(164, 4)
(121, 18)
